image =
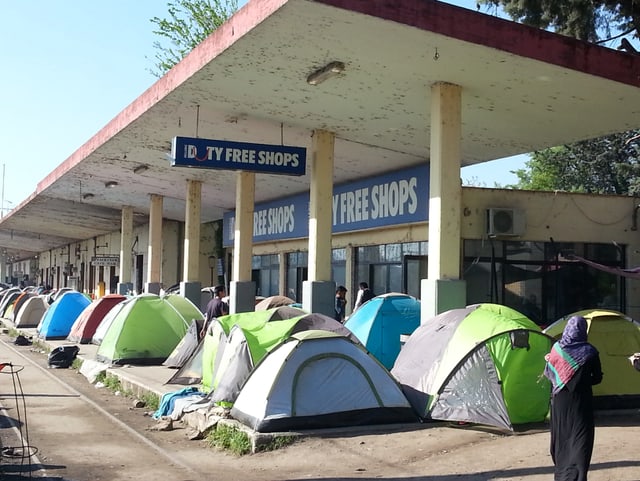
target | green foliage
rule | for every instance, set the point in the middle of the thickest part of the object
(189, 23)
(150, 400)
(605, 165)
(278, 442)
(591, 20)
(76, 364)
(230, 439)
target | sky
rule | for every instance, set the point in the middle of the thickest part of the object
(70, 67)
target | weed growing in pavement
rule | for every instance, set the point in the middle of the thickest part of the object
(113, 384)
(150, 400)
(76, 364)
(230, 439)
(277, 442)
(40, 346)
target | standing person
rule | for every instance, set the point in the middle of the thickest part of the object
(364, 294)
(573, 366)
(216, 307)
(341, 303)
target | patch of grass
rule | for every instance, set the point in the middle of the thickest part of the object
(230, 439)
(151, 400)
(278, 442)
(101, 376)
(13, 332)
(76, 364)
(41, 346)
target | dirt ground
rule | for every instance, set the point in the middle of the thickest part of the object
(427, 452)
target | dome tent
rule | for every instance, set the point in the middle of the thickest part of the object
(381, 321)
(282, 391)
(89, 319)
(481, 364)
(58, 319)
(616, 337)
(146, 329)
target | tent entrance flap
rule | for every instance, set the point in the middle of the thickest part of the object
(473, 393)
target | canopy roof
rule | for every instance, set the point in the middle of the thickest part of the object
(523, 89)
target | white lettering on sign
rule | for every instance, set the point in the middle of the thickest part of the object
(274, 220)
(110, 260)
(390, 199)
(242, 156)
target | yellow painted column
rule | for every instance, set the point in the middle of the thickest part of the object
(154, 263)
(242, 290)
(320, 206)
(126, 241)
(318, 293)
(190, 285)
(192, 232)
(443, 289)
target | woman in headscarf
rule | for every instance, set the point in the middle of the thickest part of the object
(573, 366)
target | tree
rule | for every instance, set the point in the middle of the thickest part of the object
(590, 20)
(606, 165)
(189, 23)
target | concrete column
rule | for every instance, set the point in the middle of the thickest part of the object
(350, 278)
(126, 241)
(443, 290)
(154, 263)
(242, 291)
(3, 267)
(318, 291)
(190, 285)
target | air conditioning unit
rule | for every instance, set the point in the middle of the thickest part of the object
(505, 222)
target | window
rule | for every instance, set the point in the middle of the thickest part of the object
(542, 279)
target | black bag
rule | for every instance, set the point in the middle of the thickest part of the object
(63, 356)
(22, 341)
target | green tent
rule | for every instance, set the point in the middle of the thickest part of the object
(616, 337)
(220, 328)
(147, 329)
(481, 364)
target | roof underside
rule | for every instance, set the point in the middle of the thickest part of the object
(523, 90)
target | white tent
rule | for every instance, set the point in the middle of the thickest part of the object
(318, 379)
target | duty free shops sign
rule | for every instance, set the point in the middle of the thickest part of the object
(220, 154)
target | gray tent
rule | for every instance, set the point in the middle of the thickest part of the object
(187, 345)
(318, 379)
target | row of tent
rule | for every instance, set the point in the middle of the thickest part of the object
(481, 364)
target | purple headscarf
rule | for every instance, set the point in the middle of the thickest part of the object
(574, 340)
(568, 354)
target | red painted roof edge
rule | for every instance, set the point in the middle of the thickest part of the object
(518, 39)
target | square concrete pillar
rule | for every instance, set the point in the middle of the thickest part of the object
(319, 297)
(191, 290)
(125, 288)
(242, 296)
(152, 287)
(441, 295)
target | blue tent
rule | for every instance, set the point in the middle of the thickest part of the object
(380, 322)
(59, 318)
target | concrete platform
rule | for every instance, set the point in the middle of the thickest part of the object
(141, 380)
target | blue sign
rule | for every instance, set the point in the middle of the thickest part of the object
(221, 154)
(397, 198)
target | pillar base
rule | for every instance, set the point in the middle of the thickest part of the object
(125, 288)
(152, 287)
(242, 296)
(440, 295)
(192, 291)
(319, 297)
